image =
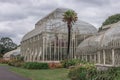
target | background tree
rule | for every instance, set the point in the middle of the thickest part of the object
(6, 45)
(70, 17)
(112, 19)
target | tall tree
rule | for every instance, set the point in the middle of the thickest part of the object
(6, 44)
(70, 17)
(112, 19)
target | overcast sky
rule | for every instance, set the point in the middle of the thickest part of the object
(17, 17)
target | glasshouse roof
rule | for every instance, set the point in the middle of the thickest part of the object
(90, 45)
(108, 39)
(13, 52)
(53, 23)
(112, 37)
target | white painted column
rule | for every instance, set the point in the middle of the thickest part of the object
(82, 57)
(95, 58)
(71, 51)
(58, 47)
(43, 48)
(50, 51)
(90, 58)
(33, 50)
(75, 57)
(64, 50)
(74, 50)
(75, 44)
(54, 50)
(86, 57)
(61, 42)
(46, 49)
(71, 47)
(98, 55)
(38, 50)
(104, 57)
(113, 57)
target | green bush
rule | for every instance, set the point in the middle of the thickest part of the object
(20, 58)
(16, 63)
(89, 72)
(72, 62)
(112, 19)
(110, 74)
(83, 72)
(2, 61)
(35, 65)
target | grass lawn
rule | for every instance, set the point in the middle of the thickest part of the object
(3, 64)
(48, 74)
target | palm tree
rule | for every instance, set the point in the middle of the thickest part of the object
(70, 17)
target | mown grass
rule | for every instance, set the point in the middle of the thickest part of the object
(44, 74)
(3, 64)
(47, 74)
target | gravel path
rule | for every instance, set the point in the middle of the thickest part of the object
(5, 74)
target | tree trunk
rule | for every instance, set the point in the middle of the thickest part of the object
(69, 36)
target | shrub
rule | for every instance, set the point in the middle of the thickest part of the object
(112, 19)
(2, 61)
(83, 72)
(16, 63)
(72, 62)
(89, 72)
(110, 74)
(59, 65)
(20, 58)
(52, 65)
(35, 65)
(55, 65)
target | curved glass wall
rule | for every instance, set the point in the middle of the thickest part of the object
(12, 54)
(105, 45)
(48, 41)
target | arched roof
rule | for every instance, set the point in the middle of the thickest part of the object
(80, 26)
(13, 52)
(112, 37)
(54, 19)
(90, 45)
(103, 40)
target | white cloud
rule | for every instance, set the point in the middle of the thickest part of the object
(17, 17)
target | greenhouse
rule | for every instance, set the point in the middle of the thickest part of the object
(48, 41)
(12, 54)
(102, 48)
